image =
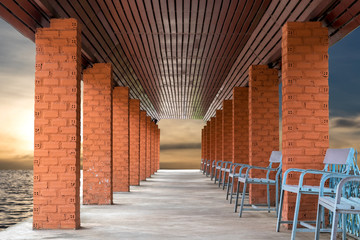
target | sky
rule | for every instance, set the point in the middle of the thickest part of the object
(180, 139)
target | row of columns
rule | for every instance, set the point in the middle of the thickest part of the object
(120, 142)
(250, 121)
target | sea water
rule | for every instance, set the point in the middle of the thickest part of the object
(16, 192)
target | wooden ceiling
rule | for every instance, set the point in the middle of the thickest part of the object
(181, 58)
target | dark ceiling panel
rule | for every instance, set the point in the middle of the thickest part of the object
(181, 58)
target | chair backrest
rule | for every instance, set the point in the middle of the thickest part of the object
(343, 160)
(275, 157)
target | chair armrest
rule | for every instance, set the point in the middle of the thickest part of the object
(328, 176)
(268, 169)
(341, 185)
(311, 171)
(263, 168)
(299, 170)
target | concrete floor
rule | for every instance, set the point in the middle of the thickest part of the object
(173, 204)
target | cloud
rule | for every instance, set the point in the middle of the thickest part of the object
(180, 159)
(17, 162)
(180, 143)
(180, 146)
(346, 123)
(345, 132)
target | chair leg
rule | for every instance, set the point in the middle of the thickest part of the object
(276, 198)
(237, 196)
(224, 180)
(227, 190)
(280, 211)
(215, 176)
(242, 199)
(334, 225)
(268, 196)
(228, 179)
(318, 222)
(220, 178)
(344, 226)
(232, 190)
(296, 216)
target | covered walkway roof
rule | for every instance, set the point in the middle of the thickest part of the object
(181, 58)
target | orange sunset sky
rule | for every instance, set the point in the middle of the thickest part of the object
(180, 139)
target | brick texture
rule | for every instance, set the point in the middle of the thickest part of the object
(207, 140)
(121, 177)
(134, 139)
(97, 135)
(57, 126)
(152, 149)
(148, 146)
(263, 123)
(218, 144)
(212, 139)
(305, 112)
(142, 145)
(227, 131)
(205, 143)
(240, 125)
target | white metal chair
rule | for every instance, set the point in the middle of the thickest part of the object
(338, 205)
(225, 168)
(217, 170)
(340, 160)
(235, 170)
(275, 157)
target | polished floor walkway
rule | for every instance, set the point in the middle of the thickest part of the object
(173, 204)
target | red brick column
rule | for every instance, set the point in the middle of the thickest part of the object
(97, 135)
(305, 113)
(240, 125)
(148, 146)
(121, 177)
(207, 140)
(57, 126)
(227, 131)
(212, 139)
(152, 151)
(134, 138)
(218, 150)
(142, 145)
(205, 145)
(263, 123)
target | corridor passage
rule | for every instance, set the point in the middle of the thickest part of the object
(172, 204)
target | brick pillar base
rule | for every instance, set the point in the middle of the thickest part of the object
(263, 124)
(57, 126)
(97, 145)
(121, 176)
(142, 145)
(305, 114)
(240, 125)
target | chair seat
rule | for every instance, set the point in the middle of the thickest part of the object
(307, 188)
(223, 169)
(257, 180)
(227, 170)
(218, 167)
(346, 205)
